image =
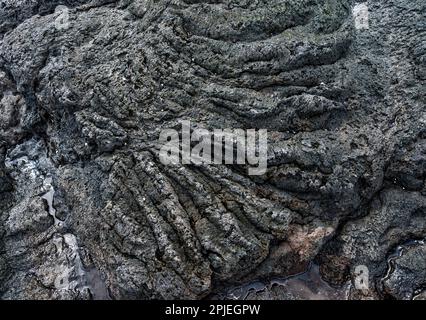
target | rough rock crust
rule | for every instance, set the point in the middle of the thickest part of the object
(87, 210)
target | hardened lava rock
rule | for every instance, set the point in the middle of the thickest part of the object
(87, 209)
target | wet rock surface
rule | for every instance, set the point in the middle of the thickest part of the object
(87, 210)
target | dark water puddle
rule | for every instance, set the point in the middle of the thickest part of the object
(96, 285)
(305, 286)
(48, 197)
(391, 263)
(74, 275)
(399, 252)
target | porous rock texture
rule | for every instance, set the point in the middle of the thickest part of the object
(87, 210)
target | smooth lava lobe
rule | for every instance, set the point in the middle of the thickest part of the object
(306, 286)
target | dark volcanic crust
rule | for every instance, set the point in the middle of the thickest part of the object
(82, 105)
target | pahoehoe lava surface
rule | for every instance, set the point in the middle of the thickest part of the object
(87, 210)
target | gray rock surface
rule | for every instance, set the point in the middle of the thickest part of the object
(87, 210)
